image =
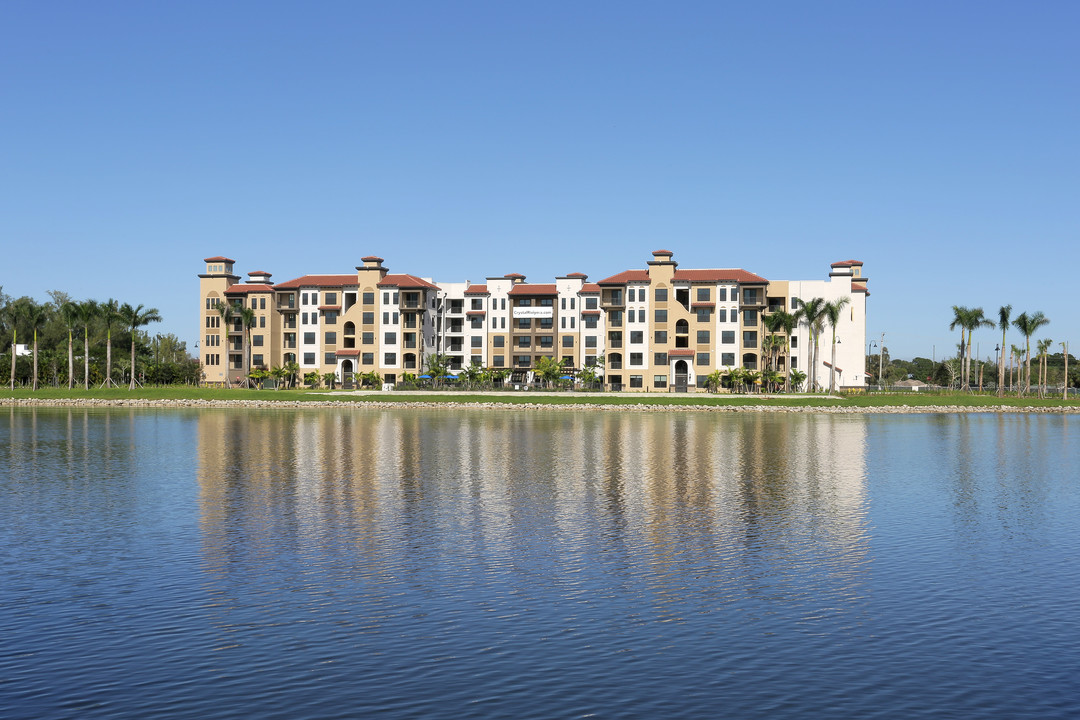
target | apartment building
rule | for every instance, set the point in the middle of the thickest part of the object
(659, 328)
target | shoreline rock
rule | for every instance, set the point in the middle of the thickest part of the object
(195, 404)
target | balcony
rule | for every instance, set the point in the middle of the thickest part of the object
(612, 299)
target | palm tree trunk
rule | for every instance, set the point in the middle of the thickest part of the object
(35, 360)
(1001, 368)
(14, 344)
(131, 385)
(108, 358)
(86, 357)
(832, 366)
(1027, 372)
(71, 362)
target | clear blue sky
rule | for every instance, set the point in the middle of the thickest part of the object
(939, 143)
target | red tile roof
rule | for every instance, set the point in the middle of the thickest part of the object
(219, 258)
(348, 352)
(477, 312)
(858, 287)
(476, 290)
(590, 289)
(662, 252)
(590, 312)
(245, 288)
(718, 275)
(847, 263)
(534, 289)
(372, 258)
(514, 275)
(695, 306)
(259, 272)
(681, 352)
(317, 281)
(627, 276)
(403, 280)
(577, 275)
(329, 307)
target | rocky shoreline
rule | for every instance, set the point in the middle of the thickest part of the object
(377, 405)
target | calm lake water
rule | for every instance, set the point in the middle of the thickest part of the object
(469, 564)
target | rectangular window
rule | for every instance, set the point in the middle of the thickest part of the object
(572, 300)
(257, 360)
(498, 360)
(524, 342)
(369, 298)
(749, 318)
(703, 314)
(734, 315)
(303, 299)
(498, 341)
(721, 294)
(703, 337)
(794, 342)
(389, 358)
(303, 318)
(660, 295)
(386, 317)
(476, 322)
(660, 358)
(727, 359)
(367, 318)
(367, 338)
(257, 340)
(331, 317)
(660, 381)
(524, 323)
(591, 303)
(637, 336)
(637, 358)
(331, 298)
(571, 322)
(703, 294)
(631, 295)
(547, 323)
(314, 298)
(309, 338)
(262, 321)
(367, 359)
(309, 358)
(329, 358)
(615, 318)
(562, 323)
(749, 338)
(703, 359)
(727, 337)
(476, 341)
(562, 304)
(750, 296)
(590, 322)
(331, 338)
(590, 341)
(660, 337)
(660, 316)
(568, 341)
(636, 381)
(390, 338)
(615, 339)
(546, 342)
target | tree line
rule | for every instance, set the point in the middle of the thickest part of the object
(70, 342)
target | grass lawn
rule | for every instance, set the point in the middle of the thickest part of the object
(913, 399)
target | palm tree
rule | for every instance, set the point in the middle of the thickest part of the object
(1003, 325)
(225, 310)
(1015, 359)
(1042, 346)
(1028, 325)
(787, 322)
(69, 313)
(135, 318)
(35, 316)
(961, 318)
(13, 313)
(797, 379)
(109, 312)
(832, 314)
(85, 312)
(247, 319)
(976, 320)
(812, 312)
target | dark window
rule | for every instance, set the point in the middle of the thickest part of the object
(661, 316)
(749, 338)
(369, 298)
(590, 303)
(498, 341)
(368, 318)
(498, 360)
(367, 338)
(476, 341)
(309, 358)
(727, 337)
(568, 341)
(331, 298)
(331, 338)
(659, 358)
(703, 294)
(727, 359)
(389, 358)
(660, 337)
(257, 360)
(637, 336)
(636, 381)
(637, 358)
(703, 359)
(329, 358)
(590, 341)
(703, 337)
(309, 338)
(660, 381)
(367, 359)
(660, 295)
(390, 338)
(257, 340)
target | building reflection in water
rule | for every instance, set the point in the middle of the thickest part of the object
(724, 506)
